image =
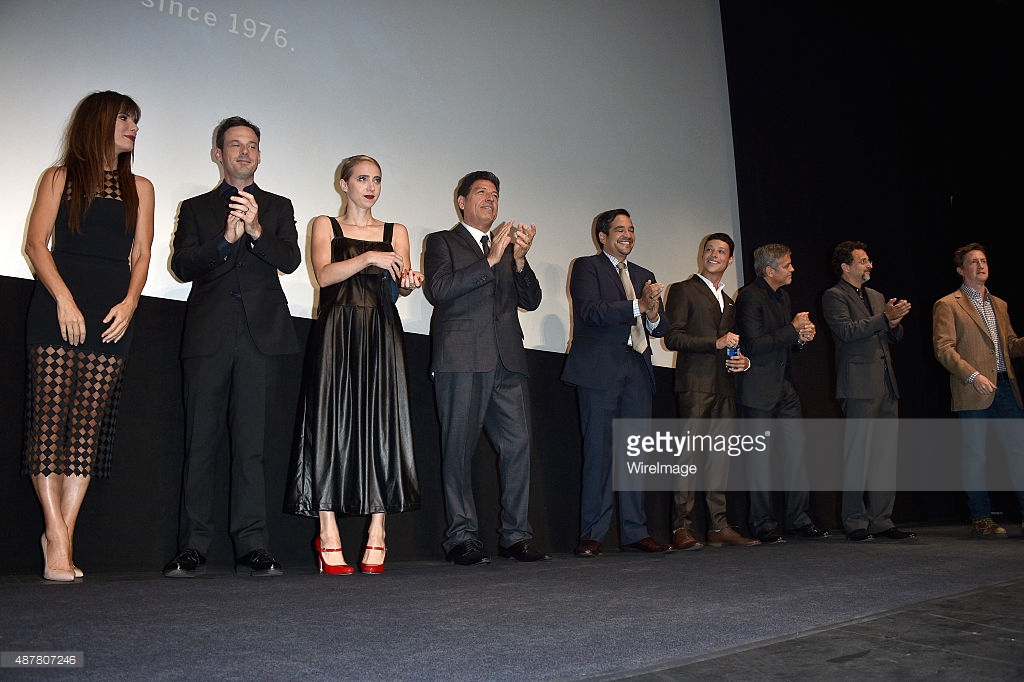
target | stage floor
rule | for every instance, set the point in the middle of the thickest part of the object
(940, 607)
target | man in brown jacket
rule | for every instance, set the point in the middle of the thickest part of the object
(975, 342)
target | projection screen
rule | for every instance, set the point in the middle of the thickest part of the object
(578, 106)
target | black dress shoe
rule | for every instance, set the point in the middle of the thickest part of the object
(649, 545)
(770, 537)
(812, 532)
(188, 563)
(261, 564)
(522, 551)
(468, 553)
(895, 533)
(588, 548)
(859, 535)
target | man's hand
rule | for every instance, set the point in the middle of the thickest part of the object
(804, 327)
(737, 363)
(730, 340)
(244, 209)
(895, 311)
(983, 385)
(649, 300)
(524, 235)
(500, 239)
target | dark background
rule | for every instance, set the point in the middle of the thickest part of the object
(896, 124)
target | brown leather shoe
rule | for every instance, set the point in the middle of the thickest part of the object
(648, 545)
(588, 548)
(727, 537)
(684, 541)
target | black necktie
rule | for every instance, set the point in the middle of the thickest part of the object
(484, 243)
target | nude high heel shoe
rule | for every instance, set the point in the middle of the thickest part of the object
(56, 574)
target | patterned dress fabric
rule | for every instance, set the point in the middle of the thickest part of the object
(73, 391)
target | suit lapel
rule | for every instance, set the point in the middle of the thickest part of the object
(710, 300)
(467, 240)
(605, 265)
(968, 307)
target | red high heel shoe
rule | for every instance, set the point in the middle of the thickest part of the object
(373, 568)
(330, 569)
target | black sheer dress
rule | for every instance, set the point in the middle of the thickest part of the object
(73, 391)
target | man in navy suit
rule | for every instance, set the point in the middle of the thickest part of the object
(231, 243)
(616, 309)
(477, 281)
(766, 391)
(864, 325)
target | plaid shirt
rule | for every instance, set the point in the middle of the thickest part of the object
(983, 304)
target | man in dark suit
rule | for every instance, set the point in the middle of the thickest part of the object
(477, 281)
(975, 342)
(766, 391)
(609, 362)
(702, 332)
(864, 325)
(231, 243)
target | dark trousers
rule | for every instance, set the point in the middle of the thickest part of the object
(225, 403)
(629, 399)
(786, 426)
(869, 463)
(497, 402)
(714, 466)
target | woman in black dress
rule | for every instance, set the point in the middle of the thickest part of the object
(98, 217)
(354, 454)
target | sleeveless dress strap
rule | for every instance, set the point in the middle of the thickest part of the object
(389, 290)
(337, 228)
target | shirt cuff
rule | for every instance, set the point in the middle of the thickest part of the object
(223, 247)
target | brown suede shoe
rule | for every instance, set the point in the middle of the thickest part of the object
(685, 542)
(727, 537)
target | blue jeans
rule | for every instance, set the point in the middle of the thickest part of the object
(1008, 423)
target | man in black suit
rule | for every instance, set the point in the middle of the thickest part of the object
(609, 362)
(231, 243)
(766, 391)
(864, 325)
(477, 281)
(702, 332)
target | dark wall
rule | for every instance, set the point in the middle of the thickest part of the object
(897, 124)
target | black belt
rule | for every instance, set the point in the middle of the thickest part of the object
(1002, 376)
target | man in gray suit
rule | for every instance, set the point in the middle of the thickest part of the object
(864, 324)
(477, 281)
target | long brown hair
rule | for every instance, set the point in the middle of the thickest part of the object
(88, 144)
